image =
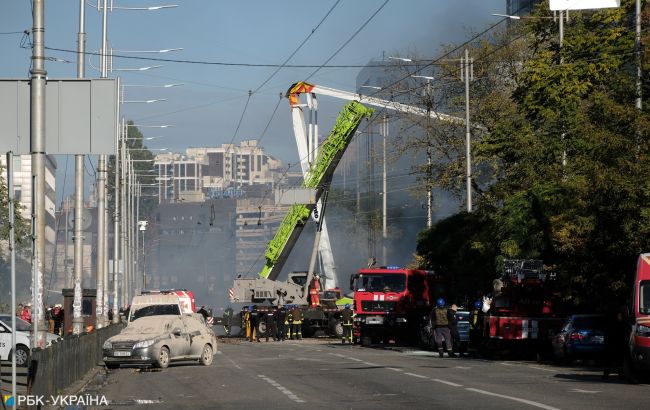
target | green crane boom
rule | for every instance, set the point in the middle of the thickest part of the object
(319, 176)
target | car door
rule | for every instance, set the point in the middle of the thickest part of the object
(197, 332)
(5, 342)
(180, 341)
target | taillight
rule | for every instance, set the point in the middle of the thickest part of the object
(576, 336)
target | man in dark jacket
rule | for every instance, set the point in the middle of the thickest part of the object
(346, 321)
(271, 327)
(280, 318)
(452, 322)
(255, 321)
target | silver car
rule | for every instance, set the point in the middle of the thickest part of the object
(160, 339)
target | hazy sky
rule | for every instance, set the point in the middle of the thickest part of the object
(207, 108)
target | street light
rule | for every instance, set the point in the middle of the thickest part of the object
(154, 86)
(150, 8)
(147, 138)
(406, 60)
(146, 149)
(164, 50)
(155, 100)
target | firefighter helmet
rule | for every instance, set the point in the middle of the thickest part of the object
(478, 304)
(440, 302)
(347, 306)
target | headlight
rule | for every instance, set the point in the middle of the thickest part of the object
(107, 345)
(144, 343)
(642, 330)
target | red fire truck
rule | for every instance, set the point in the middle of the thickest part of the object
(185, 297)
(393, 303)
(521, 313)
(637, 358)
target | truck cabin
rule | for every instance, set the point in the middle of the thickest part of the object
(642, 287)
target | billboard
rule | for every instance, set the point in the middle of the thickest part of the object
(583, 4)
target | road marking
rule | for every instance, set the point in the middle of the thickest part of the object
(283, 389)
(448, 383)
(233, 362)
(416, 375)
(462, 367)
(542, 368)
(584, 391)
(395, 369)
(370, 364)
(338, 355)
(517, 399)
(355, 359)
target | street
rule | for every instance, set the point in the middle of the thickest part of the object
(324, 374)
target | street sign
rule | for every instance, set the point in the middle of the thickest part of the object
(557, 5)
(80, 116)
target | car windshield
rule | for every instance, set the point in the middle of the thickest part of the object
(588, 322)
(381, 283)
(644, 297)
(155, 310)
(21, 325)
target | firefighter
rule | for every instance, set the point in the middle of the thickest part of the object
(288, 323)
(296, 327)
(346, 321)
(269, 321)
(246, 321)
(452, 320)
(475, 324)
(255, 321)
(441, 327)
(280, 320)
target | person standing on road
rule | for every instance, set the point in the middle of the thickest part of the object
(255, 321)
(440, 323)
(452, 320)
(288, 323)
(296, 327)
(246, 321)
(280, 320)
(346, 321)
(203, 312)
(269, 321)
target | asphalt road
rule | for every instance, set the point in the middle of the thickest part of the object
(320, 374)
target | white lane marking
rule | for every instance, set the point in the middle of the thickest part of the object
(584, 391)
(542, 368)
(462, 367)
(370, 364)
(338, 355)
(233, 362)
(517, 399)
(355, 359)
(448, 383)
(283, 389)
(395, 369)
(416, 375)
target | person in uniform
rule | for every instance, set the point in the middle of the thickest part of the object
(346, 321)
(271, 327)
(246, 321)
(288, 323)
(255, 321)
(296, 327)
(280, 318)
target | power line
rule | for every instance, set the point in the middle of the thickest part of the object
(298, 48)
(349, 39)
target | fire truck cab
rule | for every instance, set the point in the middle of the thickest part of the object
(637, 359)
(393, 303)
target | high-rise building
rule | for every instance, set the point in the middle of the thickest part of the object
(519, 7)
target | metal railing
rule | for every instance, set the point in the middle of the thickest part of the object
(55, 368)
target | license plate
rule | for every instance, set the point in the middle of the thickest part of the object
(122, 353)
(374, 320)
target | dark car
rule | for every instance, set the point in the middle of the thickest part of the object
(581, 337)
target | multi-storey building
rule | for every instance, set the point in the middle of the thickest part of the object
(214, 172)
(519, 7)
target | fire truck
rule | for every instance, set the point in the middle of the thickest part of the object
(521, 314)
(185, 297)
(637, 358)
(393, 303)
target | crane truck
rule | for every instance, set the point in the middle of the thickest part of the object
(318, 164)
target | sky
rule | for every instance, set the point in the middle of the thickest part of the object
(207, 108)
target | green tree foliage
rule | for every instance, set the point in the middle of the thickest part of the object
(565, 164)
(143, 167)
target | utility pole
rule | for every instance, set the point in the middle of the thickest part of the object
(637, 49)
(467, 71)
(12, 249)
(116, 227)
(77, 238)
(384, 228)
(38, 149)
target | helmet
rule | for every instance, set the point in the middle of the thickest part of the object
(295, 306)
(478, 304)
(440, 302)
(347, 306)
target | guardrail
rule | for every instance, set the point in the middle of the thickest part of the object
(53, 369)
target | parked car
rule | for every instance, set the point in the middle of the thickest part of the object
(581, 337)
(158, 333)
(23, 341)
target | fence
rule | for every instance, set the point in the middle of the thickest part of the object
(53, 369)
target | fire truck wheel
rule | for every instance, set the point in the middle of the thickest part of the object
(261, 329)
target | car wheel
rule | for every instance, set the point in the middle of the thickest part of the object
(162, 361)
(206, 355)
(112, 366)
(22, 356)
